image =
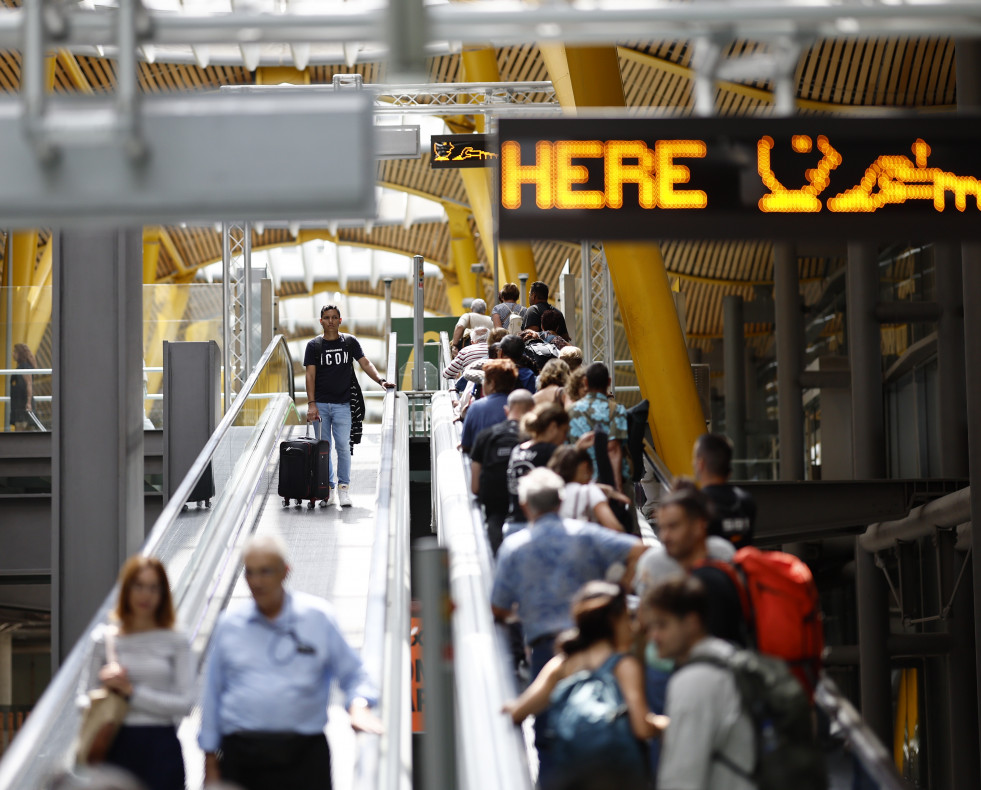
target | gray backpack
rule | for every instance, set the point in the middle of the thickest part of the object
(787, 752)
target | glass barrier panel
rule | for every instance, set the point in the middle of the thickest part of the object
(199, 547)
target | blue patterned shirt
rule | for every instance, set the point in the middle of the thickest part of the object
(592, 410)
(542, 567)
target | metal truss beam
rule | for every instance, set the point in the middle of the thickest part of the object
(503, 22)
(502, 99)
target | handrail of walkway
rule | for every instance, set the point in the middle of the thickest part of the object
(202, 557)
(492, 751)
(384, 762)
(858, 738)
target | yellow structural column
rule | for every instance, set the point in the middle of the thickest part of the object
(464, 252)
(590, 76)
(480, 65)
(21, 259)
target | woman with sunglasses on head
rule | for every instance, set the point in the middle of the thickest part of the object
(141, 657)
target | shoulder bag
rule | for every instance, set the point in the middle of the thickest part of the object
(103, 717)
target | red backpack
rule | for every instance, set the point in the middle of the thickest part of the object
(783, 612)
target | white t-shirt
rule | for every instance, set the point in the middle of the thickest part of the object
(579, 500)
(655, 566)
(473, 320)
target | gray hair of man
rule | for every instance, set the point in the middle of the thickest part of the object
(478, 306)
(540, 491)
(479, 334)
(267, 544)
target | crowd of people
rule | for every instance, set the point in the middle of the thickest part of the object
(634, 655)
(641, 633)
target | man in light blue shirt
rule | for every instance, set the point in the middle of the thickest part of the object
(272, 663)
(539, 569)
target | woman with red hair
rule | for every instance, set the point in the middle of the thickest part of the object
(141, 657)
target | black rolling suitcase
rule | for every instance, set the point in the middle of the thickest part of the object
(303, 469)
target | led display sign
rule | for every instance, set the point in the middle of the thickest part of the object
(781, 178)
(462, 150)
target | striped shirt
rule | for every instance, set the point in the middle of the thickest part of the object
(158, 664)
(471, 353)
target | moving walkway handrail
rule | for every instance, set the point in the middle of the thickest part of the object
(381, 763)
(859, 738)
(492, 749)
(42, 747)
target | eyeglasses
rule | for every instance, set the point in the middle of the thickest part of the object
(266, 572)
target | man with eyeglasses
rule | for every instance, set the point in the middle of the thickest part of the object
(272, 663)
(329, 362)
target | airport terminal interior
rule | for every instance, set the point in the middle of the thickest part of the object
(762, 216)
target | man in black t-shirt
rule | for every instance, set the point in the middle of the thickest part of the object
(329, 362)
(489, 458)
(732, 510)
(538, 304)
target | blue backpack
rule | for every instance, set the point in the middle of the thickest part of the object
(588, 732)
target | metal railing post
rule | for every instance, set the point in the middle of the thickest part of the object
(418, 329)
(432, 565)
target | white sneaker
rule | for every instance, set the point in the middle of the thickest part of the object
(343, 496)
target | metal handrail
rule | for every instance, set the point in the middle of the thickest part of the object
(445, 357)
(208, 582)
(861, 741)
(384, 762)
(492, 750)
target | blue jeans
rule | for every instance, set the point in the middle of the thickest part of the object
(335, 424)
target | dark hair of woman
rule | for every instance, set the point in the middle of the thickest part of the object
(566, 459)
(538, 419)
(595, 607)
(510, 292)
(164, 616)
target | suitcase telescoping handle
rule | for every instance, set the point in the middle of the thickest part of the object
(308, 426)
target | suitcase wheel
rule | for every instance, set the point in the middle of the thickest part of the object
(286, 503)
(312, 504)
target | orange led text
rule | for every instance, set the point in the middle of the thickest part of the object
(560, 170)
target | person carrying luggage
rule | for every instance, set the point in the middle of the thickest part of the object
(329, 362)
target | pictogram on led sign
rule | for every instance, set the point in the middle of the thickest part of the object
(622, 178)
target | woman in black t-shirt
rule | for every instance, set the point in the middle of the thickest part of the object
(547, 426)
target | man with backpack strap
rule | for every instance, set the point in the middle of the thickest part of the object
(761, 599)
(489, 458)
(738, 720)
(329, 362)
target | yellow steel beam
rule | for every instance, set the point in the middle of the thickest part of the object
(151, 255)
(277, 75)
(23, 259)
(325, 286)
(39, 300)
(188, 273)
(464, 253)
(480, 65)
(67, 62)
(156, 237)
(170, 302)
(590, 76)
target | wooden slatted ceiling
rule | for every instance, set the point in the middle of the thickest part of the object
(888, 72)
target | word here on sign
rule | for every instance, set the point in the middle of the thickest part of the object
(638, 178)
